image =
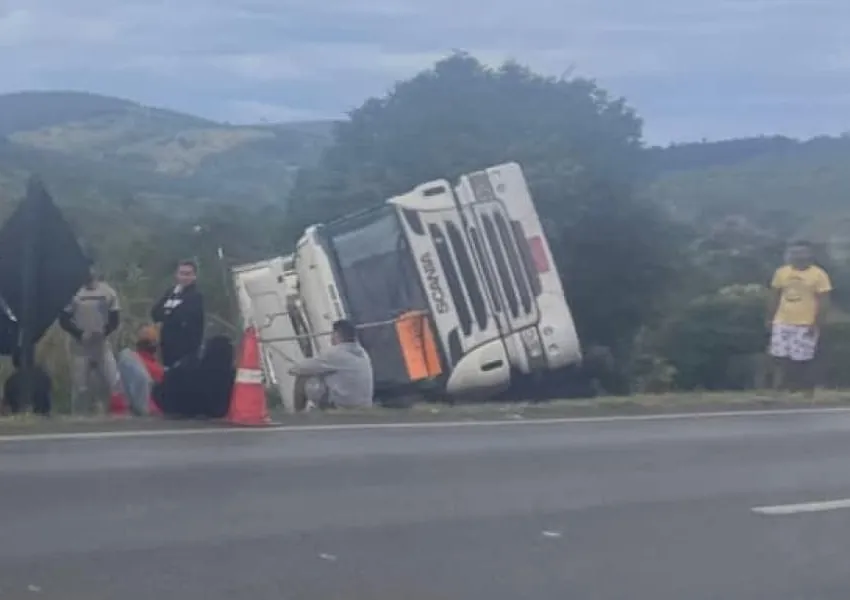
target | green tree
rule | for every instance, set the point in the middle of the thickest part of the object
(581, 151)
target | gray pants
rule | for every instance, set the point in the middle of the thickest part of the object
(311, 390)
(94, 379)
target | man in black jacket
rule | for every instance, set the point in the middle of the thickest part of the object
(180, 312)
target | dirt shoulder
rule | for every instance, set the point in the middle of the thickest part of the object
(596, 407)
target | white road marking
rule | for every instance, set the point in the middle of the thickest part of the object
(551, 534)
(805, 507)
(531, 421)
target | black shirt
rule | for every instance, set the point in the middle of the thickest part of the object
(181, 312)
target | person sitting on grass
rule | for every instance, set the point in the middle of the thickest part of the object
(147, 347)
(13, 389)
(340, 377)
(141, 372)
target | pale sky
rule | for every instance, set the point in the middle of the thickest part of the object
(692, 68)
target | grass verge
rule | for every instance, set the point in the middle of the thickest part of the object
(594, 407)
(591, 407)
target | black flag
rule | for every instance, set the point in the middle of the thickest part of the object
(41, 264)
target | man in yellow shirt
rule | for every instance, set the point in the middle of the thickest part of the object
(798, 303)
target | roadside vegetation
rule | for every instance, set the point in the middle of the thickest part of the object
(664, 251)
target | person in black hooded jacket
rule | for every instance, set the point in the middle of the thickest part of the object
(180, 312)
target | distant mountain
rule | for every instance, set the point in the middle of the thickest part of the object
(727, 153)
(25, 111)
(759, 189)
(803, 184)
(112, 145)
(105, 150)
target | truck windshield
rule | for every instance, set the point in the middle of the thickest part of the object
(379, 281)
(379, 278)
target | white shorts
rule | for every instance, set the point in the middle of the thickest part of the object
(795, 342)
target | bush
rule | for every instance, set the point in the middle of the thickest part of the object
(715, 341)
(834, 354)
(648, 372)
(719, 342)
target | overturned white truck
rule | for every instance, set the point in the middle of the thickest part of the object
(454, 291)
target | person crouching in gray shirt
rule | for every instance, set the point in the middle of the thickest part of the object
(340, 377)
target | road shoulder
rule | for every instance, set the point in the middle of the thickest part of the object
(670, 404)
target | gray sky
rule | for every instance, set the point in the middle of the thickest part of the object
(692, 68)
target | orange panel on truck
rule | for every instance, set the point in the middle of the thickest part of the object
(418, 346)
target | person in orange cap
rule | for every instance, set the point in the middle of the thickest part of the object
(147, 346)
(141, 371)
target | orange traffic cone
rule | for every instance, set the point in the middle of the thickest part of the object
(248, 400)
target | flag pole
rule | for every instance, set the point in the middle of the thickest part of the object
(29, 265)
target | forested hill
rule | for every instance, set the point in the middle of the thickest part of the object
(725, 153)
(112, 148)
(763, 178)
(123, 166)
(116, 146)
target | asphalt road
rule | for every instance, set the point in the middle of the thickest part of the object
(646, 509)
